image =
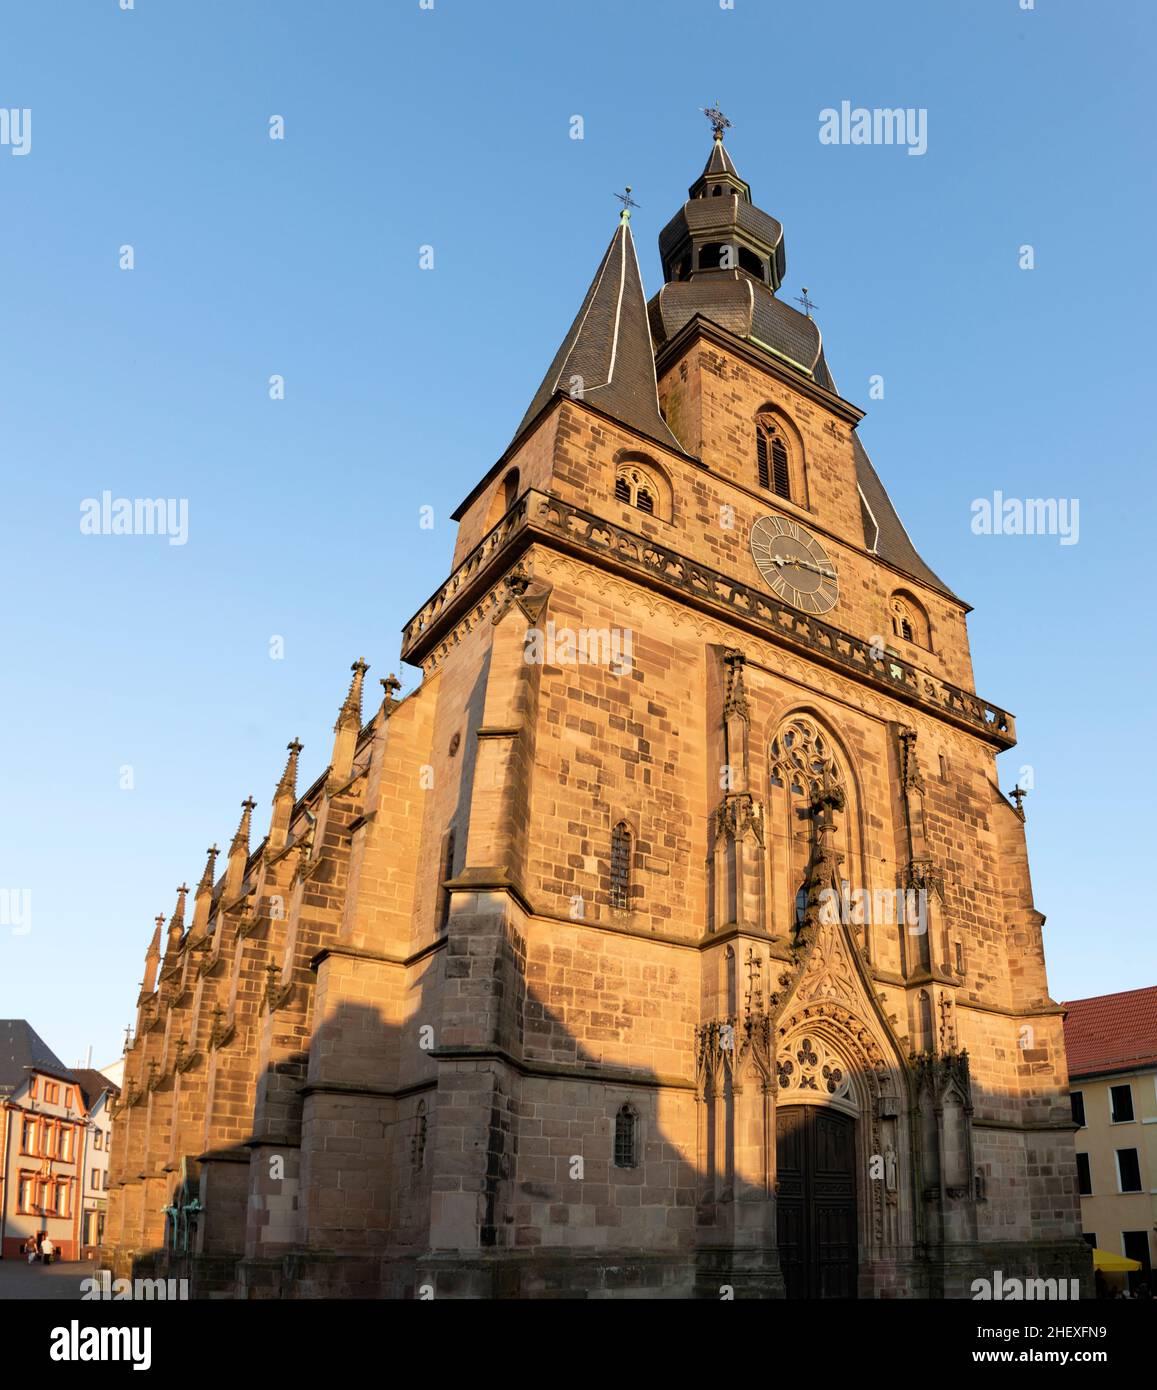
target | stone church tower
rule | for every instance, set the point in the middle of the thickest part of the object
(674, 933)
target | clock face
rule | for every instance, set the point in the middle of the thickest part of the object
(794, 564)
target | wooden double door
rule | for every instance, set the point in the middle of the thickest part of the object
(816, 1201)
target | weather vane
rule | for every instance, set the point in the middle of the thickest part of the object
(718, 120)
(808, 304)
(628, 203)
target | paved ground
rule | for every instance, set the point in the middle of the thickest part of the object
(19, 1279)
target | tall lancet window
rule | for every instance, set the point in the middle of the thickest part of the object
(626, 1138)
(621, 867)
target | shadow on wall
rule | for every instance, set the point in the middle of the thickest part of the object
(426, 1160)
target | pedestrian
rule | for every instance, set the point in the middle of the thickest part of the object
(49, 1250)
(30, 1249)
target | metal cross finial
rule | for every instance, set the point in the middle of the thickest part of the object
(808, 305)
(628, 203)
(719, 121)
(1018, 795)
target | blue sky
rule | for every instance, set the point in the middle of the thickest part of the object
(450, 128)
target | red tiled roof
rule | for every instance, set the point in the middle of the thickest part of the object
(1111, 1032)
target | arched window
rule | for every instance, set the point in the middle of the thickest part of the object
(909, 620)
(626, 1138)
(771, 457)
(638, 488)
(510, 488)
(621, 867)
(750, 262)
(717, 255)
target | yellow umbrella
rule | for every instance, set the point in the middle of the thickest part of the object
(1113, 1264)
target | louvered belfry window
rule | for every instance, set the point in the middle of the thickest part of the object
(771, 457)
(620, 867)
(637, 488)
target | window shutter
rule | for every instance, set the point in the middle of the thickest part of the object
(761, 458)
(779, 462)
(622, 490)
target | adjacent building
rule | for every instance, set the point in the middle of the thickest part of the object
(672, 934)
(42, 1140)
(1111, 1041)
(99, 1094)
(55, 1146)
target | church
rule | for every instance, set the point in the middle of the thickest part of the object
(673, 937)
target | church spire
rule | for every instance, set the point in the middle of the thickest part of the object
(607, 359)
(719, 171)
(348, 726)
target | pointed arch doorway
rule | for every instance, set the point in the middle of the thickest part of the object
(816, 1201)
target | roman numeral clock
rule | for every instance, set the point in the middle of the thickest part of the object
(794, 565)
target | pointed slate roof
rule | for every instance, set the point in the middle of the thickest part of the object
(22, 1047)
(746, 305)
(884, 532)
(609, 350)
(719, 161)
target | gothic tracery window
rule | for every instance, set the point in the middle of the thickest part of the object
(636, 487)
(909, 621)
(802, 758)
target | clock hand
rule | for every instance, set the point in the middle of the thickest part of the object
(803, 565)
